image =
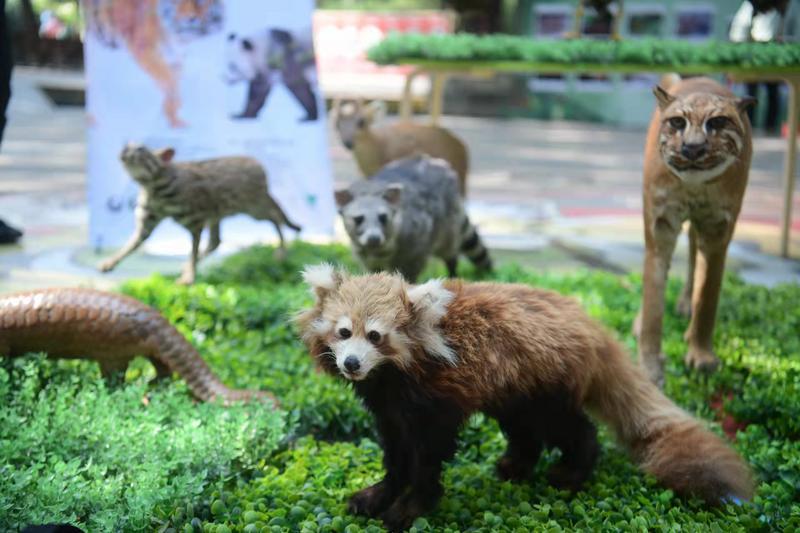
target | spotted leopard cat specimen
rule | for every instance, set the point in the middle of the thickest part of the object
(109, 328)
(697, 160)
(196, 194)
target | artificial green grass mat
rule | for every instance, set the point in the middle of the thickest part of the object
(74, 448)
(653, 53)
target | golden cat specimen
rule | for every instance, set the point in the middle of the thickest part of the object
(697, 160)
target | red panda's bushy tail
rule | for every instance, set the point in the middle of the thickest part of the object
(665, 441)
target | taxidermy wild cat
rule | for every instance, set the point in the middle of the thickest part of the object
(697, 160)
(196, 194)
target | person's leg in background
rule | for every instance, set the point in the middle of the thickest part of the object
(6, 63)
(8, 235)
(752, 92)
(773, 107)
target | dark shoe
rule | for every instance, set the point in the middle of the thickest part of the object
(8, 235)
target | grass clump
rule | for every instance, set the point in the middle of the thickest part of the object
(224, 470)
(73, 449)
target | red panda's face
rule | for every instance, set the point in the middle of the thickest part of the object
(358, 322)
(362, 322)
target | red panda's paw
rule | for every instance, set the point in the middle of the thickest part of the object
(402, 513)
(371, 501)
(567, 478)
(510, 469)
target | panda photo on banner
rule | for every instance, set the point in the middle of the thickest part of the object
(230, 78)
(269, 57)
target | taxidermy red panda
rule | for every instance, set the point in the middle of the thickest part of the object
(423, 358)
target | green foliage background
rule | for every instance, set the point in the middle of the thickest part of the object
(74, 448)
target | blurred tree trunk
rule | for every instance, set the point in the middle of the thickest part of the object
(30, 38)
(477, 16)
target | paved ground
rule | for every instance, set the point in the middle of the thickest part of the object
(554, 195)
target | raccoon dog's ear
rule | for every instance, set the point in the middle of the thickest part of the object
(393, 192)
(165, 154)
(322, 279)
(663, 97)
(343, 197)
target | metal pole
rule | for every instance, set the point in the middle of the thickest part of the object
(789, 165)
(437, 93)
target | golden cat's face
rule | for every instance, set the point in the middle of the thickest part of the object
(701, 134)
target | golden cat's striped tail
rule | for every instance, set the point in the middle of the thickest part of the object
(665, 440)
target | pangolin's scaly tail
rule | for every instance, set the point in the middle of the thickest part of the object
(472, 246)
(665, 440)
(172, 349)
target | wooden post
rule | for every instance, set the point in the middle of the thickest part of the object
(407, 104)
(789, 165)
(437, 93)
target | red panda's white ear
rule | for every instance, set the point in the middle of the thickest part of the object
(429, 303)
(322, 279)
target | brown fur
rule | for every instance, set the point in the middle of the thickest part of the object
(709, 197)
(509, 342)
(374, 147)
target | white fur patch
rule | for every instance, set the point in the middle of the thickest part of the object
(697, 177)
(399, 342)
(431, 298)
(344, 322)
(375, 325)
(430, 303)
(366, 355)
(320, 326)
(321, 276)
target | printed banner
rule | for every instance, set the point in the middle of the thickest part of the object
(209, 78)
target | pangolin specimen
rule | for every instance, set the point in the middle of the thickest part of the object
(111, 329)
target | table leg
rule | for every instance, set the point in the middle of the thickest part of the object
(790, 164)
(407, 104)
(437, 93)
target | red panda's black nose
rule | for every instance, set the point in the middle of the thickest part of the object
(351, 363)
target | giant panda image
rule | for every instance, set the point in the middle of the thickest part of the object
(272, 56)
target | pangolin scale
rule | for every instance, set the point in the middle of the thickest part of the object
(110, 328)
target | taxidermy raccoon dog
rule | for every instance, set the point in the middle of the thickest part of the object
(407, 212)
(423, 358)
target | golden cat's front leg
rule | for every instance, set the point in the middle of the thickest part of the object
(708, 276)
(660, 238)
(684, 305)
